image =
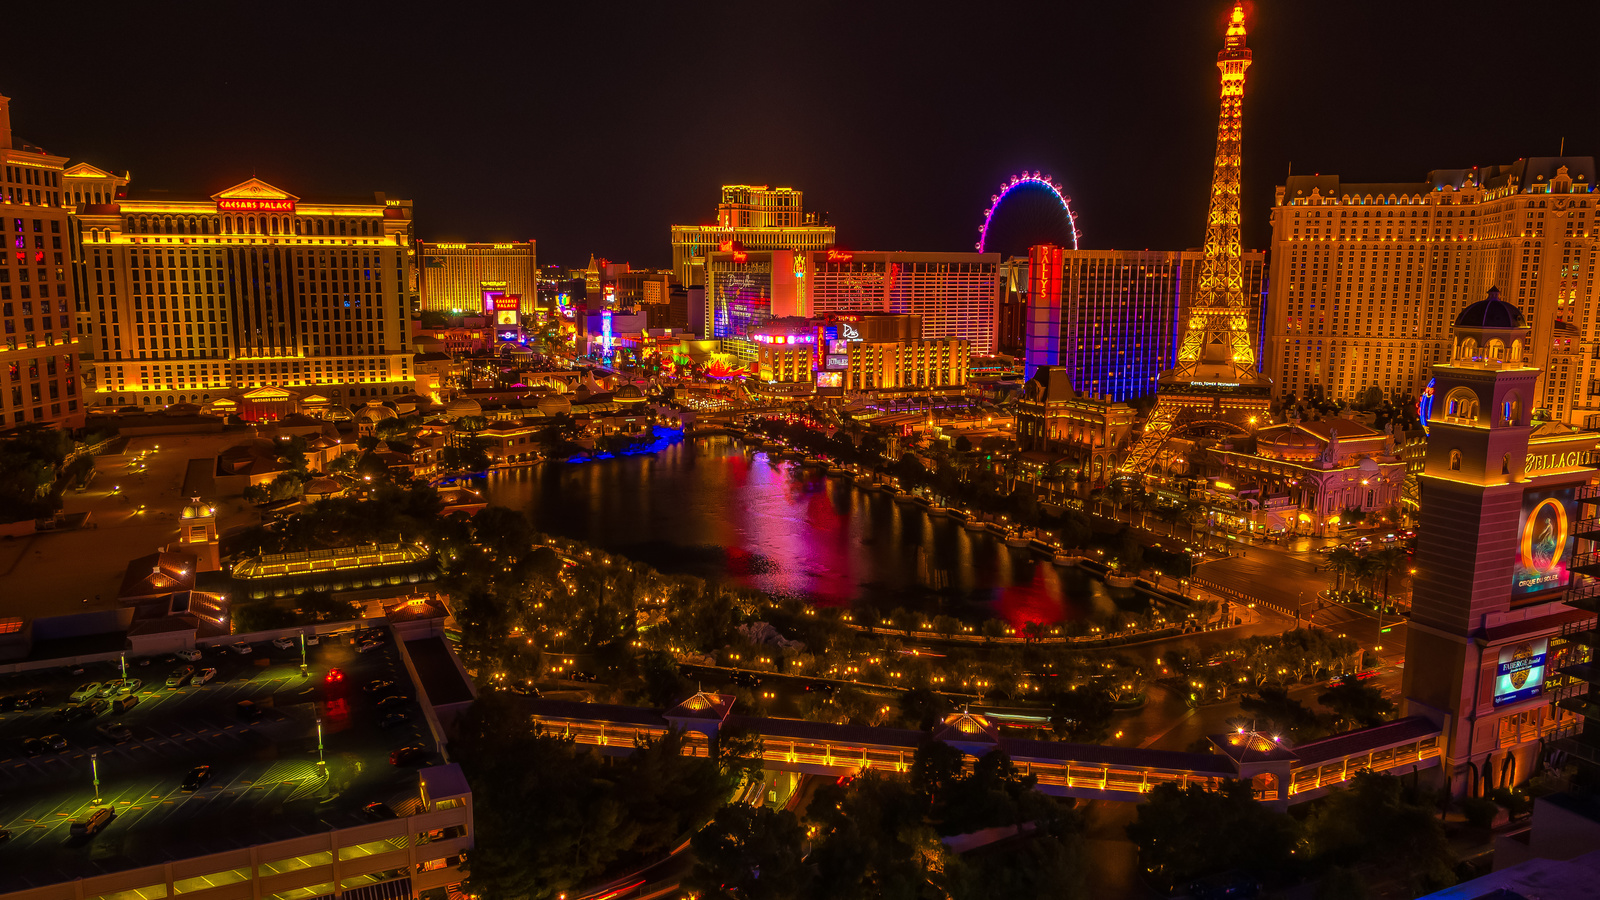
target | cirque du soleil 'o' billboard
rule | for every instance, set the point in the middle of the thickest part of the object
(1544, 541)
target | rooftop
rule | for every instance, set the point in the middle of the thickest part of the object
(265, 783)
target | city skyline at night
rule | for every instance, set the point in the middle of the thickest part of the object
(1109, 113)
(636, 452)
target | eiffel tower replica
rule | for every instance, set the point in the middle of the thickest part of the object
(1214, 388)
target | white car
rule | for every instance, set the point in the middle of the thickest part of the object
(241, 648)
(204, 675)
(189, 655)
(283, 643)
(312, 640)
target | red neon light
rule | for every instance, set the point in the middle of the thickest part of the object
(740, 256)
(255, 206)
(512, 302)
(840, 256)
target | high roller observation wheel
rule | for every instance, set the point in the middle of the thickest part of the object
(1016, 181)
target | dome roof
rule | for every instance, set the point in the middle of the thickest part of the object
(323, 485)
(628, 393)
(554, 404)
(464, 406)
(197, 510)
(376, 412)
(1490, 312)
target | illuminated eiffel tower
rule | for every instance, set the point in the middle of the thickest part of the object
(1214, 388)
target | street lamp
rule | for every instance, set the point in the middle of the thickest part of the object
(322, 764)
(303, 670)
(94, 768)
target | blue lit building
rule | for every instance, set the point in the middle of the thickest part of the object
(1113, 318)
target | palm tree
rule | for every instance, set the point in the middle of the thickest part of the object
(1343, 561)
(1386, 562)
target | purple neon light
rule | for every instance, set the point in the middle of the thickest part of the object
(1044, 181)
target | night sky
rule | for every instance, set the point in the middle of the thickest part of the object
(592, 127)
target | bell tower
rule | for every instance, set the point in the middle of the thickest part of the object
(1495, 539)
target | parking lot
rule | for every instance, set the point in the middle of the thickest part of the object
(265, 784)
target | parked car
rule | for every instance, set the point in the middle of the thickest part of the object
(188, 655)
(116, 731)
(313, 640)
(131, 686)
(393, 702)
(123, 704)
(197, 776)
(179, 678)
(248, 710)
(366, 646)
(204, 675)
(283, 643)
(394, 719)
(413, 755)
(110, 688)
(23, 701)
(90, 824)
(88, 709)
(92, 689)
(379, 811)
(241, 648)
(54, 742)
(33, 746)
(378, 686)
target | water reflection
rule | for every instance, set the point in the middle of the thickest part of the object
(708, 507)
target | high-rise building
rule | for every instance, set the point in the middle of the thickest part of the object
(1368, 277)
(39, 355)
(907, 367)
(1011, 322)
(87, 186)
(956, 294)
(1215, 385)
(455, 276)
(250, 300)
(1111, 318)
(753, 217)
(1506, 533)
(746, 289)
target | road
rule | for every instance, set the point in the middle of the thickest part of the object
(1283, 579)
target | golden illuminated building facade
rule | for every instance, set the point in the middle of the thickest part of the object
(1214, 386)
(39, 348)
(1367, 278)
(456, 275)
(933, 366)
(250, 299)
(754, 217)
(87, 186)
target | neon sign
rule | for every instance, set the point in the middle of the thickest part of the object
(255, 205)
(840, 255)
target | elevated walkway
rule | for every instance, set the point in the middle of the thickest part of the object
(1085, 771)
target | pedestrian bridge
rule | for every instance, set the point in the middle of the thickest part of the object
(1280, 774)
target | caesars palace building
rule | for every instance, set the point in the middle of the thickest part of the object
(250, 301)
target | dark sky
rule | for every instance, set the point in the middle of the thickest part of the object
(593, 126)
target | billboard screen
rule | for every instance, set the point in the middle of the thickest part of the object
(1544, 541)
(836, 362)
(830, 379)
(1520, 673)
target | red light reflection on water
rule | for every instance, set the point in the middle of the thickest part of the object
(1036, 600)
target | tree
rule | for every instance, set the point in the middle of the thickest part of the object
(737, 751)
(1183, 833)
(1276, 712)
(1357, 705)
(1082, 716)
(750, 853)
(921, 708)
(1377, 820)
